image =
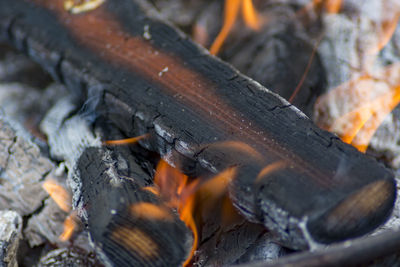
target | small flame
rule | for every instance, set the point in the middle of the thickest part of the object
(386, 30)
(250, 17)
(63, 200)
(58, 194)
(270, 168)
(372, 93)
(330, 6)
(70, 225)
(152, 190)
(150, 211)
(359, 125)
(127, 141)
(177, 190)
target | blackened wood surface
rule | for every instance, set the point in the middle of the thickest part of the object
(378, 250)
(152, 79)
(130, 226)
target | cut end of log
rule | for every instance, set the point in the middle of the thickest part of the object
(357, 214)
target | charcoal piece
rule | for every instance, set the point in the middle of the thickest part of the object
(279, 61)
(129, 225)
(22, 170)
(263, 249)
(73, 257)
(10, 234)
(304, 184)
(244, 243)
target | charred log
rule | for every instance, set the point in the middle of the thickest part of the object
(129, 225)
(299, 181)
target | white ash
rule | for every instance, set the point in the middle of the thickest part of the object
(67, 136)
(10, 234)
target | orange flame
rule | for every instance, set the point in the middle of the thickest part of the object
(373, 100)
(185, 196)
(58, 194)
(270, 168)
(63, 200)
(371, 96)
(330, 6)
(231, 11)
(126, 141)
(70, 224)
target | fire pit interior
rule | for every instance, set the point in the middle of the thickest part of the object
(199, 132)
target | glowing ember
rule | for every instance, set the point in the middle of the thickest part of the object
(231, 11)
(127, 141)
(187, 197)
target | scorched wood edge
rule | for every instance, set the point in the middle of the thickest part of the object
(320, 189)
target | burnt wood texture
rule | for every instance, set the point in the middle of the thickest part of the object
(301, 182)
(129, 225)
(376, 250)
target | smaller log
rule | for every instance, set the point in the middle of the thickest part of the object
(130, 226)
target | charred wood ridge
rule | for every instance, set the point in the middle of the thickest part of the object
(153, 79)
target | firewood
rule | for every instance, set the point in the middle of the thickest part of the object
(130, 226)
(301, 182)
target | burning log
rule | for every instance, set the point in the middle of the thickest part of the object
(130, 226)
(200, 114)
